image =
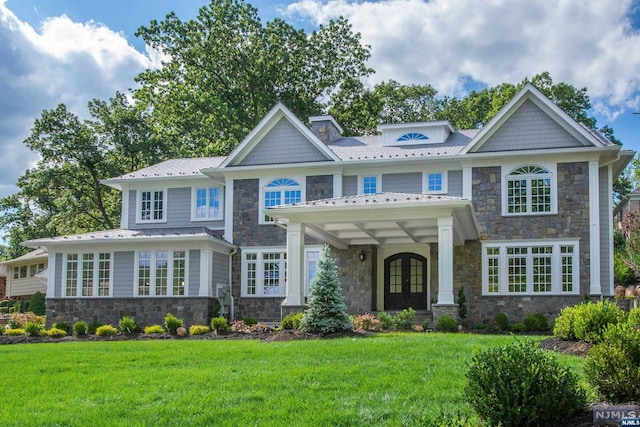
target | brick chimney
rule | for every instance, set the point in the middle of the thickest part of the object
(325, 128)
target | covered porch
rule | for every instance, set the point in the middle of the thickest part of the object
(403, 228)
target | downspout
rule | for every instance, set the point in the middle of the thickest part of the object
(232, 303)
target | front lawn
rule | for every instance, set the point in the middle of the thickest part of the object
(388, 379)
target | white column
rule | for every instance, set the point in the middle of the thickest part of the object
(295, 265)
(337, 185)
(228, 210)
(206, 262)
(51, 278)
(445, 260)
(594, 227)
(467, 183)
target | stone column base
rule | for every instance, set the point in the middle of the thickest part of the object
(440, 310)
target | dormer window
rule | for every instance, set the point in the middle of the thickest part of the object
(412, 136)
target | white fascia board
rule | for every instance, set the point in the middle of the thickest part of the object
(447, 123)
(530, 92)
(266, 124)
(560, 155)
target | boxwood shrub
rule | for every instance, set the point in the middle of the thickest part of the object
(172, 323)
(292, 321)
(518, 384)
(446, 324)
(80, 328)
(106, 330)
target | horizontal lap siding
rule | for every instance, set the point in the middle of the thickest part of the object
(194, 273)
(605, 232)
(410, 182)
(220, 269)
(350, 185)
(123, 274)
(454, 183)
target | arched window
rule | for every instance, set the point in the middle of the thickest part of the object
(280, 191)
(412, 136)
(529, 190)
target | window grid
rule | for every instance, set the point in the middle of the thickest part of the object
(529, 190)
(272, 273)
(369, 185)
(542, 268)
(395, 276)
(493, 270)
(144, 273)
(252, 271)
(87, 275)
(312, 258)
(152, 205)
(568, 262)
(541, 195)
(278, 192)
(162, 270)
(208, 202)
(104, 274)
(517, 273)
(179, 268)
(416, 276)
(72, 275)
(434, 182)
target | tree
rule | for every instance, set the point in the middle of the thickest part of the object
(37, 304)
(327, 311)
(224, 71)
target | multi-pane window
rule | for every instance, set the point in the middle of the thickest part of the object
(208, 203)
(434, 183)
(529, 191)
(312, 256)
(416, 276)
(35, 269)
(161, 273)
(87, 274)
(369, 184)
(535, 267)
(281, 191)
(395, 276)
(151, 205)
(264, 272)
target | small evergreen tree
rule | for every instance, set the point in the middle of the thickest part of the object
(462, 303)
(36, 304)
(327, 311)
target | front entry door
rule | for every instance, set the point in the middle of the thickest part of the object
(405, 282)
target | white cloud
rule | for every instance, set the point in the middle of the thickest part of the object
(61, 62)
(444, 43)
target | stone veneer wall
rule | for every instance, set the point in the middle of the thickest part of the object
(146, 311)
(356, 278)
(572, 221)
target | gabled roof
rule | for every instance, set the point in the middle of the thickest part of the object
(33, 256)
(584, 135)
(266, 124)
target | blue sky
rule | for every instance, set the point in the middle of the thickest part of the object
(72, 51)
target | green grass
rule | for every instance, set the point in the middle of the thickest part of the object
(389, 379)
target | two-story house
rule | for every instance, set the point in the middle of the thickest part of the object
(518, 212)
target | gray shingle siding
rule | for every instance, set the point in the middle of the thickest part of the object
(454, 183)
(529, 128)
(283, 144)
(123, 274)
(194, 272)
(410, 182)
(220, 273)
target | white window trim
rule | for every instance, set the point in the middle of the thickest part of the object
(96, 275)
(425, 182)
(361, 178)
(556, 267)
(506, 171)
(307, 251)
(152, 273)
(194, 203)
(302, 180)
(165, 202)
(259, 251)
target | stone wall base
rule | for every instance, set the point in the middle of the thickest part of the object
(145, 311)
(292, 309)
(440, 310)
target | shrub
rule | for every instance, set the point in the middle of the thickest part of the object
(536, 322)
(36, 304)
(93, 328)
(56, 332)
(2, 329)
(386, 320)
(249, 321)
(154, 329)
(481, 326)
(519, 384)
(502, 321)
(198, 329)
(128, 325)
(633, 318)
(518, 327)
(80, 328)
(172, 323)
(446, 324)
(239, 326)
(63, 326)
(426, 324)
(327, 312)
(403, 320)
(15, 331)
(592, 319)
(366, 322)
(34, 329)
(292, 321)
(219, 324)
(563, 324)
(462, 303)
(106, 331)
(612, 366)
(20, 320)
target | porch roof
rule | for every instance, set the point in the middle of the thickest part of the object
(380, 219)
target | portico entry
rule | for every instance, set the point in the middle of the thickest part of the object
(405, 281)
